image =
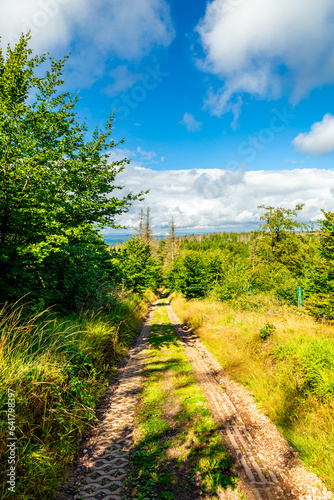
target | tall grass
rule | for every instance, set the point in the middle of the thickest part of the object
(58, 368)
(290, 370)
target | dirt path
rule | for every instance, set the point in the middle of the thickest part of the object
(267, 467)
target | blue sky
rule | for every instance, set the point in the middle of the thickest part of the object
(224, 105)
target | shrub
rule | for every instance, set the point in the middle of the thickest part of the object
(234, 283)
(266, 331)
(275, 279)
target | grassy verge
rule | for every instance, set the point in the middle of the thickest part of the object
(285, 358)
(178, 452)
(58, 371)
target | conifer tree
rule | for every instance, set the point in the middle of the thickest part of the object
(320, 283)
(171, 237)
(147, 227)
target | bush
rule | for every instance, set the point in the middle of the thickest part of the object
(138, 269)
(266, 331)
(275, 279)
(234, 283)
(320, 277)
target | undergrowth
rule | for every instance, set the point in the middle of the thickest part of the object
(285, 358)
(178, 451)
(58, 370)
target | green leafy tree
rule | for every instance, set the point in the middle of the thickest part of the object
(281, 239)
(56, 187)
(234, 282)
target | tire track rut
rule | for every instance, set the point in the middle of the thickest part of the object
(104, 479)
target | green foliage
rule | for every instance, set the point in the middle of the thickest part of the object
(234, 282)
(312, 363)
(320, 277)
(225, 266)
(215, 265)
(139, 269)
(266, 331)
(316, 361)
(279, 222)
(56, 187)
(275, 279)
(278, 242)
(194, 279)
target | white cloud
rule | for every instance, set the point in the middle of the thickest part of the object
(123, 80)
(191, 123)
(94, 28)
(266, 48)
(214, 199)
(146, 155)
(319, 141)
(49, 21)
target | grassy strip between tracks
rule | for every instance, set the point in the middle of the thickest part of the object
(178, 452)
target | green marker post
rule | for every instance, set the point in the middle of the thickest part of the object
(300, 297)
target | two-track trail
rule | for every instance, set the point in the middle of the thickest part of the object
(266, 466)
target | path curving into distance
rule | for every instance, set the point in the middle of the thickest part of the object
(243, 429)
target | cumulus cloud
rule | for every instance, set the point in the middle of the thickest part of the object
(49, 21)
(94, 28)
(191, 123)
(266, 48)
(319, 141)
(221, 200)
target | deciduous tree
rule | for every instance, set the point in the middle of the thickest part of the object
(56, 186)
(280, 239)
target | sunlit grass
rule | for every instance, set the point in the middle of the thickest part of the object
(290, 372)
